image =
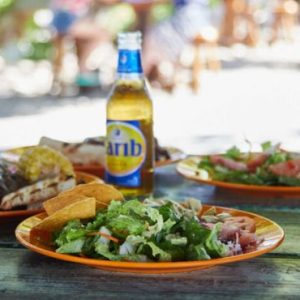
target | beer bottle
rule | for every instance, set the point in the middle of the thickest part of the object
(129, 125)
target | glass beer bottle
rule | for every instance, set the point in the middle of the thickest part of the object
(129, 125)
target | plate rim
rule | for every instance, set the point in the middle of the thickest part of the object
(152, 266)
(181, 169)
(93, 167)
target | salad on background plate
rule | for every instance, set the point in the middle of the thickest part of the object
(272, 169)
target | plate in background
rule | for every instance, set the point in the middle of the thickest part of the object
(81, 177)
(188, 169)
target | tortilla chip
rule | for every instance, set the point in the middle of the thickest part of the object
(59, 202)
(103, 193)
(83, 209)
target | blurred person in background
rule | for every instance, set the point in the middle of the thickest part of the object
(65, 14)
(77, 20)
(166, 41)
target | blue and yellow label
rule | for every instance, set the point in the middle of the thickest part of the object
(125, 153)
(130, 61)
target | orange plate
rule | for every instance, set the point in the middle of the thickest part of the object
(94, 169)
(188, 168)
(80, 177)
(98, 170)
(271, 234)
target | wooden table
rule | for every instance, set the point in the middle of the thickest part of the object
(24, 274)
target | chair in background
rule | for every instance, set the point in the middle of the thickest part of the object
(286, 15)
(206, 44)
(201, 53)
(237, 14)
(227, 32)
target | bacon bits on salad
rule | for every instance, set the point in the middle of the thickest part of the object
(273, 166)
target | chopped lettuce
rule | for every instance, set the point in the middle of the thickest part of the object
(213, 246)
(277, 157)
(207, 165)
(114, 209)
(177, 240)
(130, 245)
(72, 231)
(103, 250)
(74, 246)
(123, 225)
(266, 145)
(195, 232)
(88, 248)
(197, 252)
(133, 207)
(168, 213)
(158, 253)
(290, 181)
(136, 258)
(233, 153)
(177, 252)
(97, 222)
(160, 230)
(167, 225)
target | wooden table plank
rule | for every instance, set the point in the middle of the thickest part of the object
(38, 276)
(7, 233)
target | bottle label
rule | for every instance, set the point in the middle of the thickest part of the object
(125, 153)
(129, 61)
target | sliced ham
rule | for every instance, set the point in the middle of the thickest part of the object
(247, 240)
(238, 233)
(256, 161)
(243, 223)
(290, 168)
(228, 232)
(228, 163)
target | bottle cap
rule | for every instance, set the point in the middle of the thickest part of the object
(130, 40)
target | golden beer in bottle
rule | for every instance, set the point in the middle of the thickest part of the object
(129, 125)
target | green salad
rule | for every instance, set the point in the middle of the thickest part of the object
(153, 230)
(272, 166)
